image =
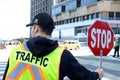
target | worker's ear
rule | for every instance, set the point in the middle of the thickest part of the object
(36, 28)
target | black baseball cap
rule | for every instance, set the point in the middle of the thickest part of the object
(42, 19)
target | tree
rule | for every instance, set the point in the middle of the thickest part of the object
(22, 39)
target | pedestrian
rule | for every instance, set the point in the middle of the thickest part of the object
(41, 58)
(116, 48)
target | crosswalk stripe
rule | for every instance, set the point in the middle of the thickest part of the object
(2, 68)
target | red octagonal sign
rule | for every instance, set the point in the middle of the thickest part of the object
(100, 37)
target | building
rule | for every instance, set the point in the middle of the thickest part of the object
(74, 17)
(39, 6)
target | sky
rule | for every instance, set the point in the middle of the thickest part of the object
(14, 15)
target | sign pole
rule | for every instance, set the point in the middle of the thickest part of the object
(100, 59)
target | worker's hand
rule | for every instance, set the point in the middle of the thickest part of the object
(100, 72)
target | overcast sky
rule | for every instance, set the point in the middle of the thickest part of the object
(14, 15)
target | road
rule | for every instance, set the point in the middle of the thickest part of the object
(110, 66)
(85, 57)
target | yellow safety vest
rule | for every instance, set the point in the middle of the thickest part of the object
(23, 65)
(115, 43)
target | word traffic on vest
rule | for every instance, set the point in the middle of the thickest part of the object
(27, 57)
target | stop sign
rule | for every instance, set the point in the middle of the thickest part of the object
(100, 37)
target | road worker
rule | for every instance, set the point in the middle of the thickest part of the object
(41, 58)
(116, 47)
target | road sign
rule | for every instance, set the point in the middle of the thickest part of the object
(100, 37)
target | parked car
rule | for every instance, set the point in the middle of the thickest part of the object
(2, 46)
(70, 44)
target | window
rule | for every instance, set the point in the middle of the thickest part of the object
(62, 0)
(97, 15)
(78, 3)
(73, 19)
(116, 30)
(70, 20)
(71, 6)
(57, 10)
(67, 21)
(87, 2)
(92, 16)
(40, 4)
(62, 21)
(43, 3)
(77, 19)
(84, 17)
(118, 15)
(46, 1)
(63, 8)
(111, 15)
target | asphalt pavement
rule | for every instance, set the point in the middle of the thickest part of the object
(110, 64)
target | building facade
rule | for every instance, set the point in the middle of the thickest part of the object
(74, 17)
(39, 6)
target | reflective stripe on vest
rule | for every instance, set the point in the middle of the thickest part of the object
(22, 67)
(34, 71)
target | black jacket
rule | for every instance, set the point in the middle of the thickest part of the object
(69, 66)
